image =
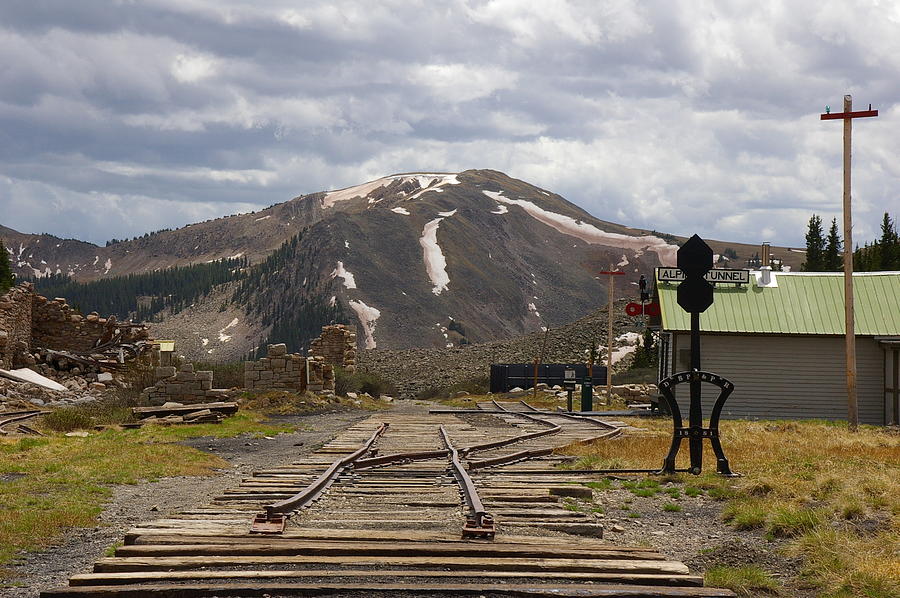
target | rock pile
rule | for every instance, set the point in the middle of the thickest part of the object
(337, 344)
(415, 370)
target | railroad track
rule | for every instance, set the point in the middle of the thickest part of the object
(399, 504)
(11, 422)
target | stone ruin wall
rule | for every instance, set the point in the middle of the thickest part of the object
(56, 325)
(15, 323)
(29, 321)
(182, 385)
(280, 370)
(337, 344)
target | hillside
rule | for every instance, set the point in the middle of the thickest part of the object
(415, 260)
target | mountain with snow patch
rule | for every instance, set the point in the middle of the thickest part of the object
(414, 259)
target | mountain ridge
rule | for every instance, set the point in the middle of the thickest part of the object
(414, 259)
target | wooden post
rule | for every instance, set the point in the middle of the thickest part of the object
(609, 346)
(538, 360)
(609, 341)
(850, 336)
(850, 333)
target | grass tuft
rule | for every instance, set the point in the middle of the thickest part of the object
(744, 581)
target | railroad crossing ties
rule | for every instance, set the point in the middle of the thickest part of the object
(402, 520)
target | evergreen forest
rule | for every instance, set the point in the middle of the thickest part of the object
(824, 253)
(143, 296)
(278, 291)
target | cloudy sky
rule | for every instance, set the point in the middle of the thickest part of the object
(121, 117)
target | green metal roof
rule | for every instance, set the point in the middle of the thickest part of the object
(802, 303)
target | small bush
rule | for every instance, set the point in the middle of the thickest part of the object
(368, 382)
(102, 412)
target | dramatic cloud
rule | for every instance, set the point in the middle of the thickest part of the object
(121, 117)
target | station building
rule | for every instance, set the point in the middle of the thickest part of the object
(780, 340)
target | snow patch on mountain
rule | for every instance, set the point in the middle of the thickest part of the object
(501, 209)
(340, 271)
(107, 265)
(426, 181)
(403, 211)
(590, 233)
(435, 262)
(367, 316)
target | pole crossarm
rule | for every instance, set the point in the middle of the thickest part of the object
(843, 115)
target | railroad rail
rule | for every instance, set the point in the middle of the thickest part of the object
(11, 422)
(422, 517)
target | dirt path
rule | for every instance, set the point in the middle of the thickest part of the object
(130, 505)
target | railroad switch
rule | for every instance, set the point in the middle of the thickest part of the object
(472, 529)
(268, 523)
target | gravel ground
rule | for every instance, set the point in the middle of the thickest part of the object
(130, 505)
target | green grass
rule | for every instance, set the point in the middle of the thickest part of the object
(67, 479)
(749, 580)
(634, 515)
(604, 484)
(693, 491)
(671, 507)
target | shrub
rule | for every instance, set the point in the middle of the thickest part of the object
(102, 412)
(368, 382)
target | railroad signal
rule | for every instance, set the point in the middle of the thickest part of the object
(695, 295)
(695, 259)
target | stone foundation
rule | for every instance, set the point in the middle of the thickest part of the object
(280, 370)
(182, 385)
(337, 344)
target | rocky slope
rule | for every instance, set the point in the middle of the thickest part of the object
(415, 260)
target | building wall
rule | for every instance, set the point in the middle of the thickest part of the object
(15, 322)
(785, 377)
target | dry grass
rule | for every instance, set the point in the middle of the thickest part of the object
(835, 494)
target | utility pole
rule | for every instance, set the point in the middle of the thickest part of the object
(609, 342)
(847, 116)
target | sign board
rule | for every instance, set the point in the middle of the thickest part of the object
(569, 380)
(716, 275)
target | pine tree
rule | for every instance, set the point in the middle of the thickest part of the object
(7, 279)
(815, 246)
(831, 258)
(890, 245)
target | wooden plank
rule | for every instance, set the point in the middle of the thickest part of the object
(110, 564)
(294, 547)
(392, 589)
(219, 406)
(87, 579)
